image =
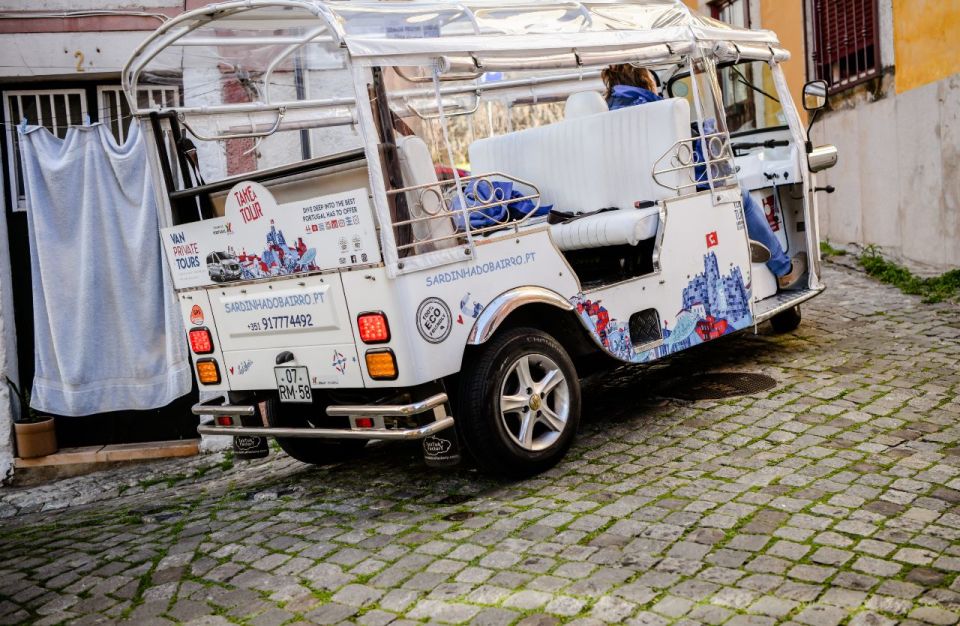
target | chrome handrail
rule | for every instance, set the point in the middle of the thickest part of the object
(446, 198)
(682, 156)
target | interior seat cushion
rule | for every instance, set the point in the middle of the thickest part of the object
(589, 163)
(416, 166)
(609, 228)
(583, 104)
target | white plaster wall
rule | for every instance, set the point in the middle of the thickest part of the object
(49, 54)
(885, 9)
(85, 5)
(897, 183)
(949, 97)
(201, 87)
(921, 174)
(878, 175)
(8, 353)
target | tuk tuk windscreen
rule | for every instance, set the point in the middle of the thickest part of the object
(749, 96)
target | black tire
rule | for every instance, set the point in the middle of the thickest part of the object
(787, 321)
(312, 451)
(491, 380)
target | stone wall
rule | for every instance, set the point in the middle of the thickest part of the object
(896, 181)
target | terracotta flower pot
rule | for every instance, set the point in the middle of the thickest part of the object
(36, 438)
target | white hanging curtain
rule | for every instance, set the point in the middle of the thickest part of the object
(108, 335)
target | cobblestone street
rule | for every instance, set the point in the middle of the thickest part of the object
(833, 498)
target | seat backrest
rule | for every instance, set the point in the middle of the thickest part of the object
(416, 167)
(583, 104)
(594, 162)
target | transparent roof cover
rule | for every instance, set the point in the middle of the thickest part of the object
(258, 33)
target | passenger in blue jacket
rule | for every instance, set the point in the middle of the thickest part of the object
(627, 86)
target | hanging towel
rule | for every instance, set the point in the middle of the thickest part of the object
(108, 335)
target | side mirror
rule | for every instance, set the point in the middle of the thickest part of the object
(815, 95)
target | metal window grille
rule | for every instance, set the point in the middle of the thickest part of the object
(115, 111)
(845, 50)
(734, 12)
(54, 109)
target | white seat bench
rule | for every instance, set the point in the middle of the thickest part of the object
(593, 162)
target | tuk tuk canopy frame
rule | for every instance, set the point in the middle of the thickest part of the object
(482, 34)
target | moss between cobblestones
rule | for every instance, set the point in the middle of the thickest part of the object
(932, 290)
(827, 250)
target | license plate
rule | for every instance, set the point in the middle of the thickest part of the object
(293, 383)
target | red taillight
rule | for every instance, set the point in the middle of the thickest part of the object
(200, 341)
(373, 328)
(224, 420)
(364, 422)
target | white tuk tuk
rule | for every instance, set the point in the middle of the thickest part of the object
(416, 220)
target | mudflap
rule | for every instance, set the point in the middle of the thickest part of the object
(442, 449)
(247, 447)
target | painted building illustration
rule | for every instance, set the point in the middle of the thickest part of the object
(712, 305)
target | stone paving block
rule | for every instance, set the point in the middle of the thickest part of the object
(773, 606)
(934, 615)
(819, 615)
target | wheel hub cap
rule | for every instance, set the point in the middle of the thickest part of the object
(534, 402)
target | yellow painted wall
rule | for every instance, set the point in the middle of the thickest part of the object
(925, 36)
(785, 17)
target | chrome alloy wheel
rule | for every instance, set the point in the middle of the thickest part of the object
(534, 402)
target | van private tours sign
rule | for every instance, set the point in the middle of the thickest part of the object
(259, 238)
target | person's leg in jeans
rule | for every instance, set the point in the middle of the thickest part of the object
(759, 230)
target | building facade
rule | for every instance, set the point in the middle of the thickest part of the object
(61, 67)
(894, 115)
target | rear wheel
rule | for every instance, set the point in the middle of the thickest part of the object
(312, 451)
(519, 403)
(787, 321)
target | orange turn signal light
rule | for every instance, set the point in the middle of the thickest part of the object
(208, 372)
(382, 364)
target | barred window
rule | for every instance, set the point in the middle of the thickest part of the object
(734, 12)
(54, 109)
(115, 111)
(845, 47)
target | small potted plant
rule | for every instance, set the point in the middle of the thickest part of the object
(35, 433)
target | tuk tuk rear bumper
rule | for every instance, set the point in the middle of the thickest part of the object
(435, 404)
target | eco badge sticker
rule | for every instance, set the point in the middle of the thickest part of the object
(434, 320)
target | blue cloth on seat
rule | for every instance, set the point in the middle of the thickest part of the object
(108, 332)
(482, 192)
(478, 194)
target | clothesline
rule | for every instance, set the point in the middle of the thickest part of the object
(105, 120)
